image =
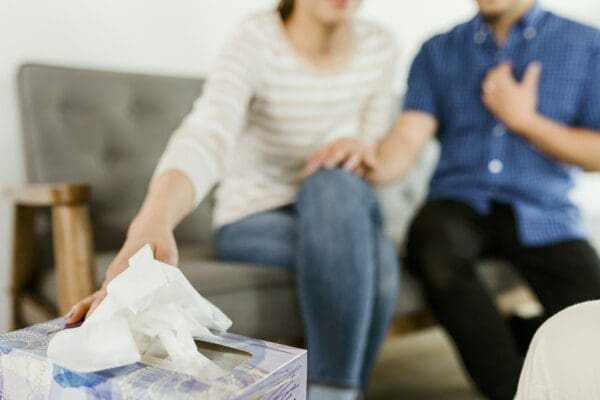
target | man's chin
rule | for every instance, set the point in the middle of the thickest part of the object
(491, 16)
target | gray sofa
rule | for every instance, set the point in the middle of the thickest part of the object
(109, 129)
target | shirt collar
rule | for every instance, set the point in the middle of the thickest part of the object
(533, 16)
(529, 22)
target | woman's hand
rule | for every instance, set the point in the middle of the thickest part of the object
(352, 154)
(143, 230)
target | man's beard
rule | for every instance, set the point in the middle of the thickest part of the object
(491, 18)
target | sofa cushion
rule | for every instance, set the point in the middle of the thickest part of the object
(261, 300)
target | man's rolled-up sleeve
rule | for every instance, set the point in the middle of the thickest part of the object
(589, 116)
(421, 94)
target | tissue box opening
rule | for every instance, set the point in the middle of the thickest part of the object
(226, 358)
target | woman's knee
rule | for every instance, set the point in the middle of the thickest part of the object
(336, 187)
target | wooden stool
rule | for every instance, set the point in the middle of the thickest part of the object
(72, 242)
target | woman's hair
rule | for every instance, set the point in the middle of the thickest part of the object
(285, 8)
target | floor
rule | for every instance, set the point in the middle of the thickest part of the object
(418, 367)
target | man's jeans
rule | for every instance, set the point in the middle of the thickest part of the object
(346, 268)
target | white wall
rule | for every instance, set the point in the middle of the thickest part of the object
(163, 36)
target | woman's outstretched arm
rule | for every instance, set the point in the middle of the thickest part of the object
(170, 198)
(192, 162)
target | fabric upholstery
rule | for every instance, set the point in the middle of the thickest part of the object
(108, 129)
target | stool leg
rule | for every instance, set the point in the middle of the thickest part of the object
(73, 254)
(23, 256)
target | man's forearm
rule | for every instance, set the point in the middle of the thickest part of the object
(395, 158)
(399, 150)
(577, 146)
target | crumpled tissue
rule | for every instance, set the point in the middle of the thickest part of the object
(151, 314)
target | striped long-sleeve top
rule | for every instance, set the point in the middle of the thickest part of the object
(265, 109)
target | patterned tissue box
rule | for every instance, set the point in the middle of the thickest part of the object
(255, 370)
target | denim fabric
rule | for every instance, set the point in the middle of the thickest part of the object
(481, 160)
(347, 270)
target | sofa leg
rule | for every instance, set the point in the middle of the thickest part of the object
(23, 258)
(73, 253)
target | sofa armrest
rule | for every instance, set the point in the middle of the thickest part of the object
(50, 194)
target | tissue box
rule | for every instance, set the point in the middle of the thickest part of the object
(255, 370)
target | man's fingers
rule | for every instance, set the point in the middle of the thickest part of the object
(498, 70)
(486, 99)
(498, 76)
(531, 78)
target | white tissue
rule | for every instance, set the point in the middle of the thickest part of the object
(151, 314)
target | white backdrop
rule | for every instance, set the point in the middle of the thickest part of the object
(165, 36)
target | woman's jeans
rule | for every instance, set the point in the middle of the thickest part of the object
(346, 267)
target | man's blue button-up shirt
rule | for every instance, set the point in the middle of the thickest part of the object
(481, 161)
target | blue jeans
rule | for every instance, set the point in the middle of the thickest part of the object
(347, 270)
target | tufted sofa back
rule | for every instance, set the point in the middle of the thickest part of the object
(110, 128)
(107, 129)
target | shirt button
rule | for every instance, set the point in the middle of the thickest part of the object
(480, 37)
(529, 33)
(495, 166)
(499, 130)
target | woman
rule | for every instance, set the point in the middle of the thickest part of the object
(286, 124)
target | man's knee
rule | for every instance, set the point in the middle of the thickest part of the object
(442, 247)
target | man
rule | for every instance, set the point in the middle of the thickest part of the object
(514, 98)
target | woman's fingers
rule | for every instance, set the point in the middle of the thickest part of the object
(361, 171)
(352, 162)
(98, 297)
(165, 253)
(370, 158)
(346, 153)
(85, 307)
(337, 156)
(79, 310)
(93, 307)
(314, 162)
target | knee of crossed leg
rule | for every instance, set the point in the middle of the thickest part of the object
(336, 192)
